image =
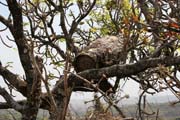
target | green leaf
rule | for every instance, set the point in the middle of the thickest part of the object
(59, 64)
(93, 29)
(25, 24)
(62, 39)
(81, 23)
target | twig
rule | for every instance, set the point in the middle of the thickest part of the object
(139, 104)
(103, 93)
(5, 43)
(3, 3)
(67, 95)
(45, 81)
(172, 90)
(157, 114)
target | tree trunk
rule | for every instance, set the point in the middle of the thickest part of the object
(34, 92)
(61, 98)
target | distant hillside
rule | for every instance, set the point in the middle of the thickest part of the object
(166, 111)
(129, 106)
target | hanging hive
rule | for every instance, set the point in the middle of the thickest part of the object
(100, 53)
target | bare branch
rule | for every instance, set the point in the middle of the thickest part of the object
(53, 4)
(6, 22)
(16, 11)
(62, 17)
(129, 69)
(14, 80)
(75, 22)
(10, 100)
(5, 43)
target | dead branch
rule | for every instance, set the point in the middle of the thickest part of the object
(10, 101)
(14, 80)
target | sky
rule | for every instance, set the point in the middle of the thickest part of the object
(11, 55)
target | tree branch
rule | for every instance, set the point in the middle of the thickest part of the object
(123, 70)
(75, 22)
(10, 101)
(16, 11)
(23, 47)
(115, 70)
(28, 62)
(62, 18)
(112, 71)
(6, 22)
(58, 49)
(14, 80)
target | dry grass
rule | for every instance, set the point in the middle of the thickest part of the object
(95, 115)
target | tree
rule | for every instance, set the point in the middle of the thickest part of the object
(148, 54)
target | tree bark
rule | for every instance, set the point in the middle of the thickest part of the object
(14, 80)
(27, 60)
